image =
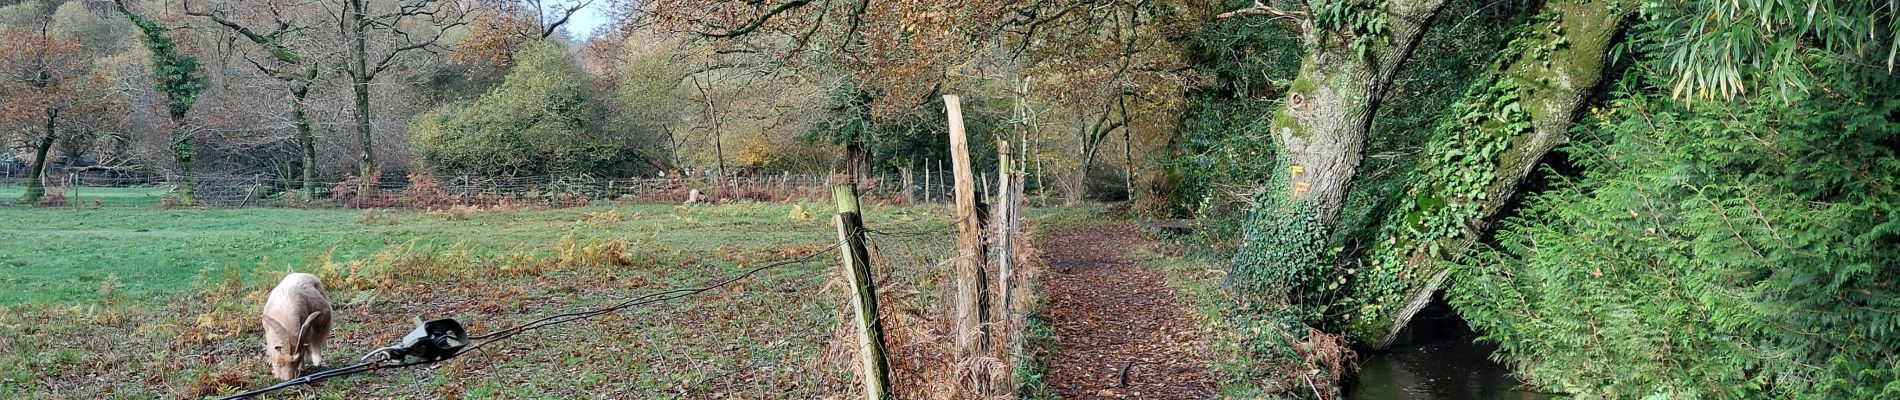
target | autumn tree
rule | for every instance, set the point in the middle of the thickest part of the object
(54, 91)
(498, 28)
(44, 76)
(289, 55)
(1114, 68)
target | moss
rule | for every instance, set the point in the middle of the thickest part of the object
(1283, 119)
(1302, 86)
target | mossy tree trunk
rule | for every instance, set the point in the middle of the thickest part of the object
(1483, 149)
(359, 88)
(1321, 130)
(1320, 134)
(182, 149)
(306, 141)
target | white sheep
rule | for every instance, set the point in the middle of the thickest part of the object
(296, 325)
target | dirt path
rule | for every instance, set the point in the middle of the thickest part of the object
(1120, 332)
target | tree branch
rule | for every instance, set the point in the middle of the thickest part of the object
(566, 14)
(756, 23)
(269, 42)
(1262, 9)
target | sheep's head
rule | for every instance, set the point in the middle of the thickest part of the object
(284, 348)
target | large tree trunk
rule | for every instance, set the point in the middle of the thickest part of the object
(306, 141)
(367, 164)
(183, 149)
(359, 87)
(1322, 128)
(35, 187)
(857, 162)
(1091, 147)
(1321, 136)
(1549, 76)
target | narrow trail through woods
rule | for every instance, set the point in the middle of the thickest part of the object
(1120, 330)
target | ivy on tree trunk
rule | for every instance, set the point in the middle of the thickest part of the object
(179, 82)
(1486, 145)
(1320, 131)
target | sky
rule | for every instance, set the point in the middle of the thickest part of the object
(591, 18)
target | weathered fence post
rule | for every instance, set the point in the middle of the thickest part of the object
(857, 272)
(1002, 215)
(972, 297)
(983, 182)
(910, 196)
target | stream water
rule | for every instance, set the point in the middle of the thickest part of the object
(1435, 359)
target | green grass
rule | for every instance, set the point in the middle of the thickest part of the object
(177, 317)
(57, 255)
(87, 195)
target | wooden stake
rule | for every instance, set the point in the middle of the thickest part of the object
(910, 196)
(972, 297)
(983, 183)
(857, 272)
(1003, 214)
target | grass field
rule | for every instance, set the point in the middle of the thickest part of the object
(139, 303)
(58, 255)
(89, 195)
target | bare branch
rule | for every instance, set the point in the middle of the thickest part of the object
(760, 21)
(1262, 9)
(566, 14)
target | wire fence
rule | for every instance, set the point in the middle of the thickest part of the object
(437, 346)
(95, 189)
(917, 353)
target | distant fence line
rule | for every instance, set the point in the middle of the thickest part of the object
(112, 189)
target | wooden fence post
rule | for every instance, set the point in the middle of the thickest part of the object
(972, 297)
(909, 195)
(1002, 213)
(857, 272)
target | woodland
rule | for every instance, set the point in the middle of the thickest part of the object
(1630, 199)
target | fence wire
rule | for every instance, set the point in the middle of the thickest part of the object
(115, 189)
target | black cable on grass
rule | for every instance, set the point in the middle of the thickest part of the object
(313, 378)
(497, 336)
(647, 299)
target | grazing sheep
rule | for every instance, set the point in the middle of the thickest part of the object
(296, 325)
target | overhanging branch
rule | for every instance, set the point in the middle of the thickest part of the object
(760, 21)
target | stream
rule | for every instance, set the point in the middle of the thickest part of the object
(1436, 359)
